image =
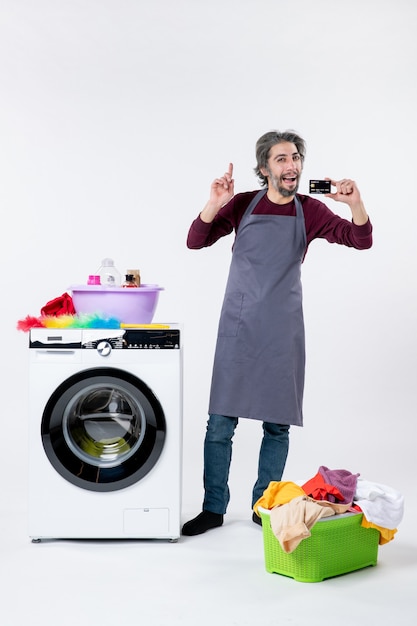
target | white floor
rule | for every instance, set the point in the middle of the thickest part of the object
(216, 578)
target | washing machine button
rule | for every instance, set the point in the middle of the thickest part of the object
(104, 348)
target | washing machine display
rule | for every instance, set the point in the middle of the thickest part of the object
(105, 433)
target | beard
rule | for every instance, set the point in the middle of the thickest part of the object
(277, 185)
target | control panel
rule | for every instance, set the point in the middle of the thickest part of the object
(137, 339)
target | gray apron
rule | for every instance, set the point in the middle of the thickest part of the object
(259, 360)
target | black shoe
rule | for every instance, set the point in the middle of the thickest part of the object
(256, 518)
(205, 521)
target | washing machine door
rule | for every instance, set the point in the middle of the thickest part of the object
(103, 429)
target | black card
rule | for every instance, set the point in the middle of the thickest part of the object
(320, 186)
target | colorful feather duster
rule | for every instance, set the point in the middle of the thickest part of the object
(67, 321)
(60, 313)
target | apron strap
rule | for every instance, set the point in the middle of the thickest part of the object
(261, 193)
(298, 208)
(253, 203)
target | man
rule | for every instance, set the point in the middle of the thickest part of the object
(259, 362)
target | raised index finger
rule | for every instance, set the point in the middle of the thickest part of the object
(230, 172)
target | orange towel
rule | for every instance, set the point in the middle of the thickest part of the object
(277, 493)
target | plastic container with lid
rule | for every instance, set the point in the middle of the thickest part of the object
(130, 282)
(94, 279)
(136, 276)
(109, 274)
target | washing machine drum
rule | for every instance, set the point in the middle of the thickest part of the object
(103, 429)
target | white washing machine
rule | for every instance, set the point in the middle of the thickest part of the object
(105, 433)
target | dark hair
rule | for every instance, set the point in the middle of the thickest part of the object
(265, 143)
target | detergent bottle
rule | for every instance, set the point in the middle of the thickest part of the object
(109, 274)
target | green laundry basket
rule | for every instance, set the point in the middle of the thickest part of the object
(337, 545)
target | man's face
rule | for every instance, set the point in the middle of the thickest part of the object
(284, 168)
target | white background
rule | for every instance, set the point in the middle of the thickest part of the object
(115, 116)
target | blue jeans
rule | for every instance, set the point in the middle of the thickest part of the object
(218, 455)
